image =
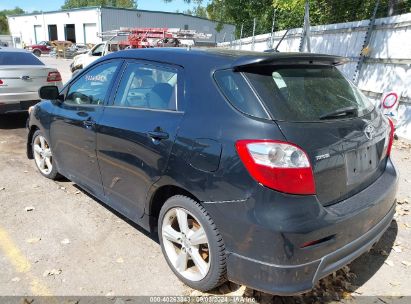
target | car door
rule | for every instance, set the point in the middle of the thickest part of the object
(73, 129)
(136, 133)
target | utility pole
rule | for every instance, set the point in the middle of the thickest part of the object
(392, 4)
(365, 48)
(241, 35)
(272, 32)
(305, 38)
(253, 41)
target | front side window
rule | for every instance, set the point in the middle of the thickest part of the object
(307, 93)
(150, 87)
(98, 50)
(91, 88)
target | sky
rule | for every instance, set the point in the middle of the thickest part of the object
(50, 5)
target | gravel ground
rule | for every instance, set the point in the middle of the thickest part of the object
(57, 240)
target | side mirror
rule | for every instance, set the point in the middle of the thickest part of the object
(49, 92)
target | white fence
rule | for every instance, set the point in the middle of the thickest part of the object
(387, 66)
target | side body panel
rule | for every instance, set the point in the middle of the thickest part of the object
(130, 160)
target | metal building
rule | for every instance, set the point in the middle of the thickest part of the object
(81, 25)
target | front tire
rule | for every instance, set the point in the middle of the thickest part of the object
(43, 157)
(191, 243)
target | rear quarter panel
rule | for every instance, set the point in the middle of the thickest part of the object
(210, 118)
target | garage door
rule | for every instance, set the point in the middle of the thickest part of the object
(90, 33)
(38, 33)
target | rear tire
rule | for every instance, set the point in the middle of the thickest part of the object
(37, 53)
(191, 243)
(43, 156)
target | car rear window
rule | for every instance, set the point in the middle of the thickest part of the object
(19, 58)
(306, 93)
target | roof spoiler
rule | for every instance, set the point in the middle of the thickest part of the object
(286, 59)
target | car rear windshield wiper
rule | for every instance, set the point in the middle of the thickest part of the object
(347, 111)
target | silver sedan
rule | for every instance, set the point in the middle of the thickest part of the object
(21, 75)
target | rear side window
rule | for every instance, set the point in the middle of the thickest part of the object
(236, 89)
(148, 87)
(19, 58)
(307, 93)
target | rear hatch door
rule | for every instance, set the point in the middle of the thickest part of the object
(317, 108)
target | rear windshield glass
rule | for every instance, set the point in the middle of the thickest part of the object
(19, 58)
(308, 93)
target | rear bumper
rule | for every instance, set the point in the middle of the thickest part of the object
(9, 98)
(19, 106)
(265, 234)
(294, 279)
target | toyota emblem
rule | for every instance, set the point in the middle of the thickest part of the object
(369, 131)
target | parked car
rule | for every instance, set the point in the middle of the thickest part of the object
(21, 76)
(43, 47)
(82, 60)
(168, 42)
(267, 169)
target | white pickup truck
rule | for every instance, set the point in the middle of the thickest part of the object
(82, 60)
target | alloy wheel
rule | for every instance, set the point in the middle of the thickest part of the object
(42, 154)
(186, 244)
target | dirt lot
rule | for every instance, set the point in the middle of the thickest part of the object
(57, 240)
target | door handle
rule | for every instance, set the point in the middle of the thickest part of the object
(158, 135)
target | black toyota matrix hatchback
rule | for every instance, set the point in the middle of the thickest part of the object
(269, 170)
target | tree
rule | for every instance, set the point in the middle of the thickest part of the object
(290, 13)
(198, 11)
(242, 12)
(4, 26)
(68, 4)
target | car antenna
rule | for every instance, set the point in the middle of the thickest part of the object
(281, 40)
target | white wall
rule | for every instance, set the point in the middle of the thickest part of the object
(388, 66)
(23, 26)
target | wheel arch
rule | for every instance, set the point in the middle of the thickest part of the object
(29, 150)
(36, 50)
(159, 197)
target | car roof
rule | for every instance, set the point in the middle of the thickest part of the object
(12, 49)
(226, 57)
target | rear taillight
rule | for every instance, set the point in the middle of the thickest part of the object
(53, 76)
(278, 165)
(390, 136)
(1, 81)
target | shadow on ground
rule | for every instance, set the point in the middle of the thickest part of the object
(152, 236)
(13, 121)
